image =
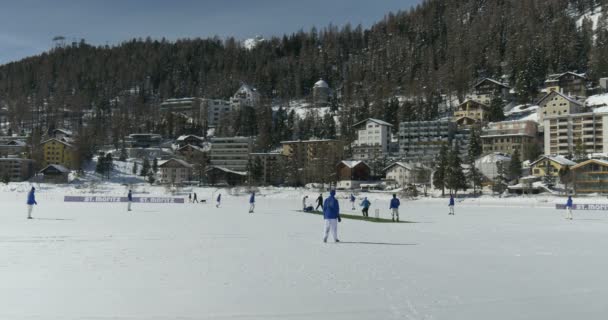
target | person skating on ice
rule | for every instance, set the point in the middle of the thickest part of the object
(394, 207)
(189, 197)
(31, 201)
(129, 200)
(331, 215)
(195, 198)
(304, 204)
(365, 204)
(252, 202)
(352, 200)
(219, 200)
(451, 205)
(319, 202)
(569, 208)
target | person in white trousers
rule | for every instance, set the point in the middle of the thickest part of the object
(331, 214)
(569, 208)
(31, 201)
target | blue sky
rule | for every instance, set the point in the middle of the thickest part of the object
(27, 26)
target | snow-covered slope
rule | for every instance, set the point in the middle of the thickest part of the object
(253, 42)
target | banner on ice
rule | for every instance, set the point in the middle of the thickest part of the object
(589, 207)
(122, 199)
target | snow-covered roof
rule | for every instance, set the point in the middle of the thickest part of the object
(380, 122)
(179, 161)
(58, 140)
(184, 137)
(493, 158)
(571, 99)
(596, 161)
(558, 159)
(352, 163)
(58, 167)
(598, 100)
(493, 81)
(240, 173)
(321, 84)
(400, 164)
(310, 141)
(204, 148)
(557, 76)
(64, 131)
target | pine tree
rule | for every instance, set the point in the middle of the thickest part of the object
(474, 177)
(500, 180)
(515, 166)
(123, 154)
(134, 169)
(145, 168)
(475, 146)
(496, 112)
(441, 168)
(579, 151)
(455, 177)
(565, 176)
(155, 165)
(549, 179)
(108, 165)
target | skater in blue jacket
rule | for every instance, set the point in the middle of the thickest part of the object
(331, 215)
(395, 203)
(252, 202)
(569, 208)
(352, 201)
(31, 201)
(365, 204)
(219, 200)
(451, 205)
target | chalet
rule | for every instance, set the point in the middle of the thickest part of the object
(401, 173)
(549, 165)
(222, 176)
(569, 83)
(353, 171)
(471, 112)
(591, 176)
(55, 173)
(189, 140)
(193, 154)
(487, 89)
(556, 103)
(175, 171)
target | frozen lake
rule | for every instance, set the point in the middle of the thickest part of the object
(189, 261)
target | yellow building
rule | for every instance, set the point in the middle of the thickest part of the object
(471, 112)
(59, 152)
(552, 164)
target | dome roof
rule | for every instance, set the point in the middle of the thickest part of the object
(321, 84)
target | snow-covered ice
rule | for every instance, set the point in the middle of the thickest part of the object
(495, 259)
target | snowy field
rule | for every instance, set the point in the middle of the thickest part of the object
(495, 259)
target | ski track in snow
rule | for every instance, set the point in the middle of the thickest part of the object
(190, 261)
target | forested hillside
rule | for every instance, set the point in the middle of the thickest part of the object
(438, 48)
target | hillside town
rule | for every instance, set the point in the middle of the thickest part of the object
(486, 143)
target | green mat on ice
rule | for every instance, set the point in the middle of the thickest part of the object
(362, 218)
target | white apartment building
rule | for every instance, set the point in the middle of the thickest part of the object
(557, 104)
(563, 132)
(373, 138)
(216, 110)
(231, 153)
